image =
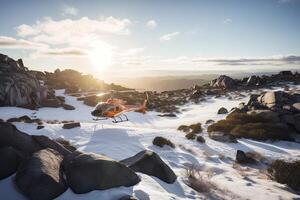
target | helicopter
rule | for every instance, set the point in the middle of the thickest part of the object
(115, 108)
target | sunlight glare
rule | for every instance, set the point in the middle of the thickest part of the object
(101, 56)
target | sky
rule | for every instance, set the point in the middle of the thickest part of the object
(129, 38)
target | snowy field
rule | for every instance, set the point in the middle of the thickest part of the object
(122, 140)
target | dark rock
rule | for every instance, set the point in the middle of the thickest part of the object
(10, 159)
(285, 73)
(150, 163)
(53, 103)
(128, 197)
(200, 139)
(68, 107)
(190, 136)
(17, 85)
(66, 144)
(161, 141)
(222, 111)
(46, 142)
(88, 172)
(167, 115)
(209, 121)
(11, 136)
(243, 158)
(297, 122)
(40, 127)
(41, 176)
(71, 125)
(61, 99)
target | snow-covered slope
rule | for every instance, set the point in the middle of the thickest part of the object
(119, 141)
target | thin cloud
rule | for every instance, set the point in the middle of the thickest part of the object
(12, 43)
(275, 60)
(227, 21)
(169, 36)
(70, 10)
(151, 24)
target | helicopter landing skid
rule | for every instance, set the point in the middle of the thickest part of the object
(121, 120)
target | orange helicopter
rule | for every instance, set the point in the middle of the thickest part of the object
(115, 108)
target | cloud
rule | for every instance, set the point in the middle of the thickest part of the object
(169, 36)
(12, 43)
(69, 10)
(275, 60)
(68, 31)
(151, 24)
(227, 21)
(66, 52)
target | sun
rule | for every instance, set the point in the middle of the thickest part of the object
(101, 56)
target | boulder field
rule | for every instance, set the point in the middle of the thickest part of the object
(46, 168)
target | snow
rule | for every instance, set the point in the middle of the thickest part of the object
(125, 139)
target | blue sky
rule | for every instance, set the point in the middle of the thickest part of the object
(167, 37)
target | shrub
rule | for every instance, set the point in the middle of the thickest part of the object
(193, 128)
(196, 128)
(184, 128)
(252, 126)
(200, 139)
(161, 141)
(262, 131)
(286, 173)
(224, 126)
(197, 181)
(190, 136)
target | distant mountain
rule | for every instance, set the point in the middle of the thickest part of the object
(166, 82)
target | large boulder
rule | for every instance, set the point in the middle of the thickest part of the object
(41, 177)
(297, 122)
(11, 136)
(71, 125)
(10, 159)
(53, 103)
(270, 99)
(222, 110)
(18, 87)
(86, 172)
(150, 163)
(223, 82)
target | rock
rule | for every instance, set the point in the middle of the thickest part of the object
(53, 103)
(10, 159)
(61, 99)
(46, 142)
(41, 177)
(128, 197)
(18, 86)
(297, 106)
(253, 80)
(161, 142)
(200, 139)
(66, 144)
(223, 82)
(243, 158)
(11, 136)
(68, 107)
(71, 125)
(270, 99)
(88, 172)
(150, 163)
(209, 121)
(40, 127)
(167, 115)
(285, 73)
(221, 137)
(222, 111)
(196, 94)
(297, 122)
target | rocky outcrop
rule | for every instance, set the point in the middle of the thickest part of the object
(10, 159)
(41, 176)
(71, 125)
(150, 163)
(18, 87)
(222, 110)
(223, 82)
(86, 172)
(11, 136)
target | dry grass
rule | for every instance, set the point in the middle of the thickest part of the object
(198, 181)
